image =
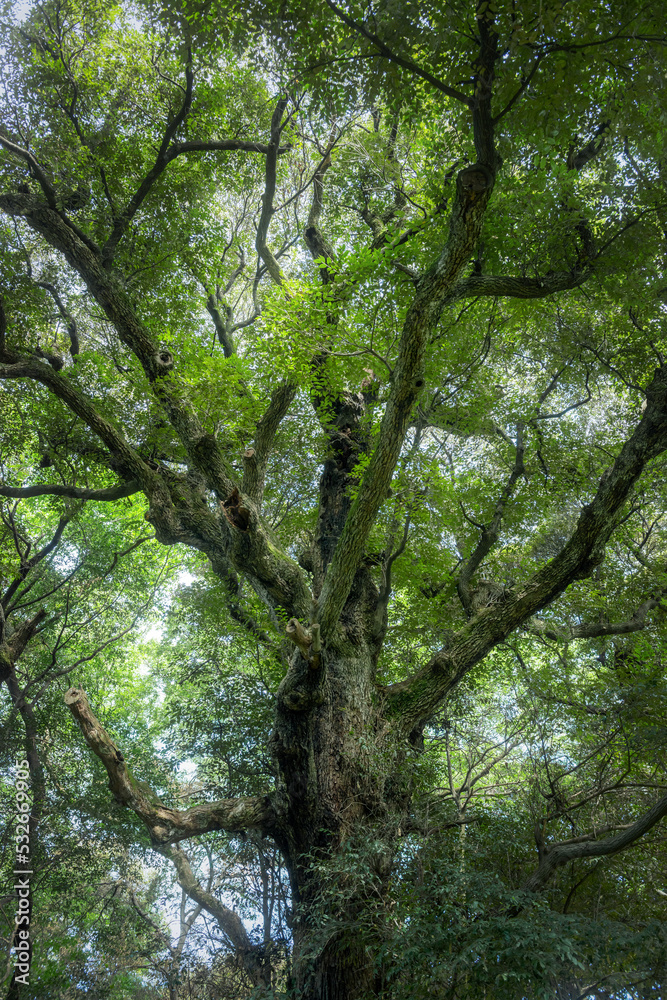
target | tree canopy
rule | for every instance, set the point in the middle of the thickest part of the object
(332, 349)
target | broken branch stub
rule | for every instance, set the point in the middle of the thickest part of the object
(297, 634)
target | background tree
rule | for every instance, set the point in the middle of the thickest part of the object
(72, 585)
(368, 305)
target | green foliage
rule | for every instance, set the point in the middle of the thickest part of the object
(556, 735)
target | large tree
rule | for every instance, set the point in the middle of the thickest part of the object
(367, 302)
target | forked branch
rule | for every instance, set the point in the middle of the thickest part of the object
(592, 630)
(415, 699)
(266, 215)
(491, 531)
(473, 190)
(553, 857)
(387, 53)
(250, 955)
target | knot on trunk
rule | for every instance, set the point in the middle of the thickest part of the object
(236, 513)
(164, 360)
(474, 180)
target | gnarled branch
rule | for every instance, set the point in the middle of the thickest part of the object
(250, 955)
(592, 630)
(76, 492)
(265, 433)
(165, 825)
(66, 316)
(510, 286)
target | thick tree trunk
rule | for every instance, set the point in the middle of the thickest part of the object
(342, 805)
(337, 796)
(340, 969)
